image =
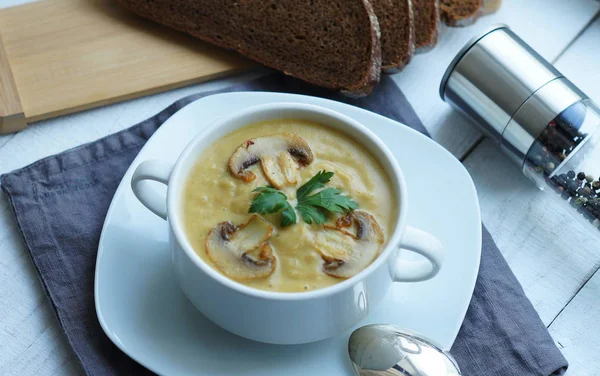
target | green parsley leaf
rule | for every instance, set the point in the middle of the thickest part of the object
(288, 215)
(330, 199)
(316, 182)
(267, 189)
(313, 208)
(270, 200)
(312, 214)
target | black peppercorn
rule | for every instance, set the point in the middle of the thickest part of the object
(572, 186)
(560, 182)
(555, 145)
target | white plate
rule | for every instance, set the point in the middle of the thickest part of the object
(144, 312)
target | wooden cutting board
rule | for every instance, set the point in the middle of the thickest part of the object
(63, 56)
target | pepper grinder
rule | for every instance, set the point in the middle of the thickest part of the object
(536, 116)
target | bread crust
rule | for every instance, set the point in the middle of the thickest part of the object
(371, 79)
(434, 35)
(400, 46)
(453, 17)
(369, 67)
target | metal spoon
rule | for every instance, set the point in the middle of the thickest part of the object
(386, 350)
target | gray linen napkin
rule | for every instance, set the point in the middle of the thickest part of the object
(60, 203)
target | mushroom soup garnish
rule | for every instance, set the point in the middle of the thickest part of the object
(313, 203)
(242, 252)
(346, 253)
(275, 154)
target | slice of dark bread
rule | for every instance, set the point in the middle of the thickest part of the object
(427, 24)
(461, 12)
(397, 33)
(458, 13)
(330, 43)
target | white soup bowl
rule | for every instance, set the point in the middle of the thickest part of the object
(276, 317)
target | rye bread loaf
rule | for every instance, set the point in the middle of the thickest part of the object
(427, 24)
(330, 43)
(397, 33)
(458, 13)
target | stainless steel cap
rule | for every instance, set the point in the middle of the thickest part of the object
(535, 114)
(492, 76)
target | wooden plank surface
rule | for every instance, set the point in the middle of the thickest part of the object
(577, 327)
(555, 259)
(550, 254)
(30, 339)
(581, 62)
(577, 331)
(12, 118)
(70, 55)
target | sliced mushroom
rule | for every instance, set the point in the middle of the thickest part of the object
(242, 252)
(275, 154)
(261, 256)
(345, 254)
(280, 170)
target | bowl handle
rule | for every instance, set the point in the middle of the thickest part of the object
(426, 245)
(154, 170)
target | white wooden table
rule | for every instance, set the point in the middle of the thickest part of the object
(552, 256)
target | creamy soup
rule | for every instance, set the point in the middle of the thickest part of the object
(255, 249)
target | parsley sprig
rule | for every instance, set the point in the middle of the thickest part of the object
(270, 200)
(313, 207)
